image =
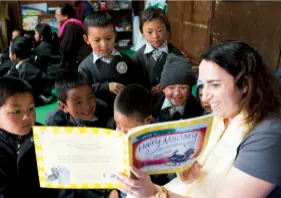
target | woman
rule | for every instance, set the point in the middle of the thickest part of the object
(242, 158)
(71, 31)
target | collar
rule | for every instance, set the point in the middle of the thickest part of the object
(83, 122)
(20, 63)
(114, 52)
(167, 104)
(15, 140)
(163, 48)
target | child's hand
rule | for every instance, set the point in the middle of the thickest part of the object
(156, 90)
(115, 87)
(113, 194)
(191, 174)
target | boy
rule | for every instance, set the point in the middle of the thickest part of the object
(107, 69)
(20, 51)
(177, 102)
(132, 108)
(77, 103)
(77, 107)
(5, 62)
(18, 168)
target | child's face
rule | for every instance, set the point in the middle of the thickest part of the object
(101, 39)
(177, 94)
(12, 56)
(204, 104)
(155, 32)
(37, 36)
(80, 103)
(18, 114)
(125, 123)
(15, 34)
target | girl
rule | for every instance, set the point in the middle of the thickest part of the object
(155, 27)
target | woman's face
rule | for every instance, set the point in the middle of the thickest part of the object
(219, 90)
(59, 17)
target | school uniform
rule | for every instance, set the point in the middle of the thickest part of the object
(48, 60)
(177, 70)
(32, 74)
(18, 168)
(165, 111)
(100, 71)
(152, 60)
(59, 118)
(5, 62)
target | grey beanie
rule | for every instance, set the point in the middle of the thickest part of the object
(177, 70)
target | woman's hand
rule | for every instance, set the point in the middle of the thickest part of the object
(141, 187)
(191, 174)
(115, 87)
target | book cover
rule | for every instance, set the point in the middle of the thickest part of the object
(89, 158)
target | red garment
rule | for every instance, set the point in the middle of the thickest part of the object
(63, 25)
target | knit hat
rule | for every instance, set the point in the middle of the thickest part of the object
(177, 70)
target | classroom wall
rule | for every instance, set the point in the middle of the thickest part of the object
(204, 23)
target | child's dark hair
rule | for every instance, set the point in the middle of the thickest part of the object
(134, 100)
(153, 13)
(30, 37)
(67, 10)
(46, 34)
(67, 81)
(10, 86)
(98, 19)
(21, 47)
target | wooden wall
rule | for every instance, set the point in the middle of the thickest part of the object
(196, 25)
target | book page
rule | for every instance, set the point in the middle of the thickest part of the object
(69, 157)
(169, 147)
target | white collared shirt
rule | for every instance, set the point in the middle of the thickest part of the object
(20, 63)
(149, 48)
(167, 104)
(96, 57)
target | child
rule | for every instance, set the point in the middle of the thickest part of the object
(78, 107)
(177, 102)
(30, 37)
(18, 168)
(107, 69)
(24, 69)
(132, 108)
(155, 27)
(5, 62)
(206, 106)
(77, 103)
(47, 55)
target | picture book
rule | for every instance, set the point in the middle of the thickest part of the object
(90, 158)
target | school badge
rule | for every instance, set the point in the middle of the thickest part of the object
(122, 67)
